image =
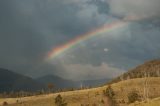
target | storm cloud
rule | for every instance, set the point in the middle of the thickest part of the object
(30, 29)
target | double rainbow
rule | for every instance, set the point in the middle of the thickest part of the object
(93, 33)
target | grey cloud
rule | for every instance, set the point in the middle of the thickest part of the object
(29, 29)
(140, 8)
(128, 47)
(88, 71)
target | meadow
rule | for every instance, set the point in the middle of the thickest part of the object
(95, 96)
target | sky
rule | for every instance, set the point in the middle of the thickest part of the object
(30, 29)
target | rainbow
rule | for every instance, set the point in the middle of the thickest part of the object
(93, 33)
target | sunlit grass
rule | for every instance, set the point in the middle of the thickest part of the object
(94, 95)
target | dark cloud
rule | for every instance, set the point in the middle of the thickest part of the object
(132, 45)
(29, 29)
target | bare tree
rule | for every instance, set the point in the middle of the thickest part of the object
(50, 87)
(145, 86)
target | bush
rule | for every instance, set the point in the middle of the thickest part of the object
(5, 103)
(59, 101)
(133, 96)
(109, 92)
(102, 101)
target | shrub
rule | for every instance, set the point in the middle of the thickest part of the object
(109, 92)
(133, 96)
(5, 103)
(102, 101)
(59, 101)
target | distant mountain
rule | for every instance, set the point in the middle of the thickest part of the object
(11, 81)
(58, 82)
(148, 69)
(64, 83)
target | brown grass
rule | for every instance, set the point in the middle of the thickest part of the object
(91, 96)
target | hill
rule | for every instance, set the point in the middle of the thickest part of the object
(92, 96)
(11, 81)
(144, 79)
(148, 69)
(57, 81)
(61, 83)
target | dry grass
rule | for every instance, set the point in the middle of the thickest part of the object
(153, 102)
(91, 96)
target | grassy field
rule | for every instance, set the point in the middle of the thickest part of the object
(153, 102)
(94, 95)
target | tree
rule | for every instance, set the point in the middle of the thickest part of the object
(59, 101)
(145, 86)
(50, 86)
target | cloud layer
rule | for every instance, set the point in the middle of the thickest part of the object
(88, 71)
(30, 29)
(140, 8)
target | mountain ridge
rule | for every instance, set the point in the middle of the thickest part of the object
(65, 83)
(12, 81)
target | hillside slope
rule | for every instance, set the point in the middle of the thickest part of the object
(94, 95)
(148, 69)
(11, 81)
